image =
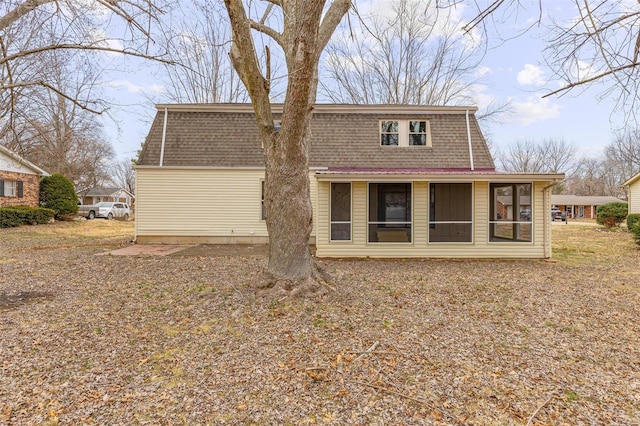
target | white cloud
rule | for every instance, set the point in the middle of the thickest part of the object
(482, 72)
(580, 70)
(531, 75)
(98, 37)
(134, 88)
(532, 110)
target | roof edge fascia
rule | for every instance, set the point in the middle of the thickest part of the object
(156, 167)
(632, 180)
(23, 161)
(324, 108)
(443, 177)
(165, 167)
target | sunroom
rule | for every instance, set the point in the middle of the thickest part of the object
(418, 214)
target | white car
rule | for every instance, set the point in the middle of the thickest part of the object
(556, 213)
(110, 210)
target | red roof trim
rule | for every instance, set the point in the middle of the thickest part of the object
(387, 171)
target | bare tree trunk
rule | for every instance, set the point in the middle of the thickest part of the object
(289, 217)
(287, 197)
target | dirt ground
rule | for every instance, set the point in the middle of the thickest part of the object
(219, 250)
(91, 338)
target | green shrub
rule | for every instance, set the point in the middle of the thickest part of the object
(42, 215)
(23, 215)
(635, 231)
(611, 214)
(632, 220)
(57, 193)
(10, 217)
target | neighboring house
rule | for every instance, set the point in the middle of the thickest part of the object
(97, 195)
(579, 207)
(633, 193)
(386, 181)
(19, 180)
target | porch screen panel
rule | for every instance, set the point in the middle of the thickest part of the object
(511, 212)
(340, 212)
(450, 212)
(390, 213)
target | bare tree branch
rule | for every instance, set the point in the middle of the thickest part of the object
(52, 47)
(332, 18)
(42, 83)
(21, 11)
(591, 79)
(245, 61)
(259, 26)
(602, 45)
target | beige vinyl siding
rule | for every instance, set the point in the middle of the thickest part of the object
(480, 248)
(321, 214)
(199, 205)
(420, 204)
(634, 197)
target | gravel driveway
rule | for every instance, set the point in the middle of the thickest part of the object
(183, 339)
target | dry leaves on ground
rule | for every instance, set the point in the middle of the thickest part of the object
(183, 340)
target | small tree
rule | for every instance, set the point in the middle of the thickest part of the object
(611, 214)
(57, 194)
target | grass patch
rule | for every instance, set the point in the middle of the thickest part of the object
(580, 245)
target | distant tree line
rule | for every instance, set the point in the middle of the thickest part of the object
(584, 175)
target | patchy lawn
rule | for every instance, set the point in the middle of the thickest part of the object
(88, 339)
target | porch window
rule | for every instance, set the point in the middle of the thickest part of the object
(511, 207)
(450, 213)
(263, 211)
(340, 211)
(389, 213)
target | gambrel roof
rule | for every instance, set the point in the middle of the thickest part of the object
(343, 137)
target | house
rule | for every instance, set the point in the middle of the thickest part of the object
(633, 193)
(19, 180)
(578, 206)
(386, 181)
(97, 195)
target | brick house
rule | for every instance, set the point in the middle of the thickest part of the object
(581, 207)
(98, 195)
(19, 180)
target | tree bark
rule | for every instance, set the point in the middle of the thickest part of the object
(287, 197)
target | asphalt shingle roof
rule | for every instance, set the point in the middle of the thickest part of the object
(579, 200)
(342, 136)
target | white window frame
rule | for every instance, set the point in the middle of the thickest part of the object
(430, 222)
(404, 131)
(337, 222)
(10, 188)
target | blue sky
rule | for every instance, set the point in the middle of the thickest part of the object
(516, 72)
(512, 71)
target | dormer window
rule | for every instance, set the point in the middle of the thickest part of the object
(389, 133)
(418, 133)
(405, 133)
